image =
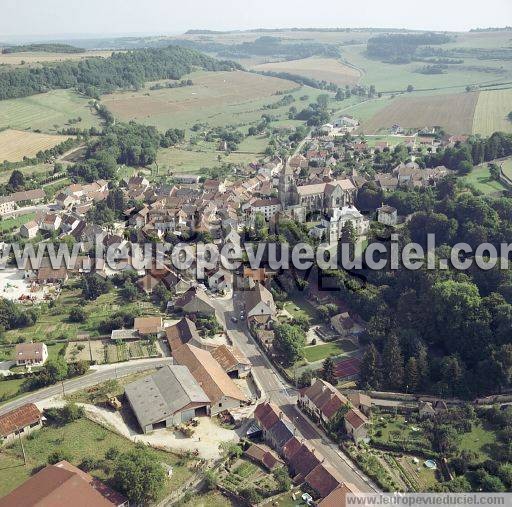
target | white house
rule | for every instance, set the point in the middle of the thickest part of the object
(30, 354)
(330, 227)
(387, 215)
(268, 207)
(29, 230)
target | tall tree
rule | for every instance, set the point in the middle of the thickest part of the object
(370, 371)
(328, 371)
(411, 375)
(393, 363)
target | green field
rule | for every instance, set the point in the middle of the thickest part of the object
(53, 323)
(387, 77)
(491, 112)
(481, 179)
(79, 440)
(177, 160)
(9, 388)
(319, 352)
(46, 110)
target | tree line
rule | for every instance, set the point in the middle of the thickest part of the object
(95, 76)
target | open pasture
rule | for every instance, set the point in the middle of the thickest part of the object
(177, 161)
(16, 144)
(47, 110)
(216, 98)
(30, 58)
(327, 69)
(453, 112)
(392, 78)
(491, 112)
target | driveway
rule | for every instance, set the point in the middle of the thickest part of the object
(5, 366)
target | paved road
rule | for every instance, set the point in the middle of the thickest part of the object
(284, 395)
(92, 378)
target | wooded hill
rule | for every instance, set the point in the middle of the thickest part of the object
(94, 76)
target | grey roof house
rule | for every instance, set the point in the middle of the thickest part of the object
(167, 398)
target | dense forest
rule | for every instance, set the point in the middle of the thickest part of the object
(94, 76)
(444, 331)
(46, 48)
(401, 48)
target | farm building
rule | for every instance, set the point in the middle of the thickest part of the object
(22, 420)
(167, 398)
(222, 391)
(63, 484)
(185, 331)
(233, 361)
(30, 354)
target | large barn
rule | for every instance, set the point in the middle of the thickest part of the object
(167, 398)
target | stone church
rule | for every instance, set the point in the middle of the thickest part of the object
(317, 197)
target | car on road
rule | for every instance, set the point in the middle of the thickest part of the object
(234, 319)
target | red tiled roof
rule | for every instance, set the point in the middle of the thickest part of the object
(337, 497)
(304, 460)
(59, 485)
(291, 447)
(355, 418)
(19, 418)
(324, 479)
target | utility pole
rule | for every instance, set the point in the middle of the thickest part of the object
(22, 447)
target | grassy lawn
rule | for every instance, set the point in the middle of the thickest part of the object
(9, 224)
(481, 179)
(211, 499)
(298, 305)
(80, 439)
(319, 352)
(53, 322)
(9, 388)
(478, 440)
(55, 350)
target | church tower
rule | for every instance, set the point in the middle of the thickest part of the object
(285, 187)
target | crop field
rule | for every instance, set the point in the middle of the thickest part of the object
(491, 112)
(16, 144)
(388, 77)
(453, 112)
(47, 110)
(328, 69)
(42, 57)
(216, 98)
